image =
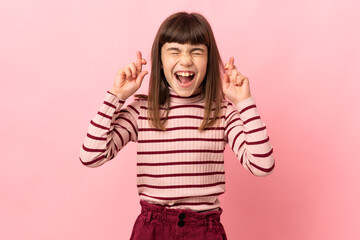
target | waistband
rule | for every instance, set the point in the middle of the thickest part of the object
(181, 216)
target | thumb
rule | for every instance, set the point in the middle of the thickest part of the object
(140, 77)
(245, 82)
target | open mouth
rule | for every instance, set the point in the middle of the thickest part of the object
(185, 78)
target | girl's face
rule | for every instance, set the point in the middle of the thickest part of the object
(184, 66)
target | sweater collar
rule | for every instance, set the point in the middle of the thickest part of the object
(196, 97)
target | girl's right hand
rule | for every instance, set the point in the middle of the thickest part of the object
(128, 80)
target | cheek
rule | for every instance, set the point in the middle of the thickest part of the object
(203, 65)
(168, 72)
(168, 65)
(204, 70)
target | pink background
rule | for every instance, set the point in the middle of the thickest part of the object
(58, 58)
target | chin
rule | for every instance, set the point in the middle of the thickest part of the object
(184, 93)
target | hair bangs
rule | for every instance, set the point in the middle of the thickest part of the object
(185, 29)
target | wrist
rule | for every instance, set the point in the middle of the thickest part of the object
(241, 99)
(117, 94)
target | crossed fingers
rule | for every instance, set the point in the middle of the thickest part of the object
(133, 69)
(234, 75)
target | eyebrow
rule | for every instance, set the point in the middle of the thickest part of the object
(178, 49)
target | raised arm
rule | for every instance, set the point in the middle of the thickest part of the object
(247, 136)
(113, 126)
(109, 131)
(244, 130)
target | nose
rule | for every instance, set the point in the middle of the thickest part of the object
(186, 60)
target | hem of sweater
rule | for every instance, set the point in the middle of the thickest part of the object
(196, 208)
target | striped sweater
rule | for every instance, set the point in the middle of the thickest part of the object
(180, 167)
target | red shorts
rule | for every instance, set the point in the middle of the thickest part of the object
(159, 223)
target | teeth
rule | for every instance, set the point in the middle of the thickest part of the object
(185, 74)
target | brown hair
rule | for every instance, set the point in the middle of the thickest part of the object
(191, 28)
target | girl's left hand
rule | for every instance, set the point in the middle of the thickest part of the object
(235, 86)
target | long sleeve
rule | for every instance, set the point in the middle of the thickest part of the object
(109, 131)
(247, 136)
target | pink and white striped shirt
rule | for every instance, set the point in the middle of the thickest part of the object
(180, 167)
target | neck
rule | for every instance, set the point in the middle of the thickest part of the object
(197, 96)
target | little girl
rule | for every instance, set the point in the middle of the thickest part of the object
(181, 128)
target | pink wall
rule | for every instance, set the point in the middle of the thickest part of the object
(58, 58)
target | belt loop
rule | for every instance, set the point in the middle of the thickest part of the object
(163, 217)
(204, 222)
(148, 217)
(210, 224)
